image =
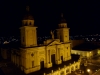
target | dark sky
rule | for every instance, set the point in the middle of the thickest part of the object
(82, 17)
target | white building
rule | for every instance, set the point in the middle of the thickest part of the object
(85, 50)
(54, 55)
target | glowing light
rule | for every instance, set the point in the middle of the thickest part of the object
(88, 70)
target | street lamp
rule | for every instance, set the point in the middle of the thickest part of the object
(88, 70)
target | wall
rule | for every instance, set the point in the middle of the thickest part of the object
(79, 52)
(85, 53)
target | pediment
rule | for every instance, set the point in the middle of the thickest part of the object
(54, 42)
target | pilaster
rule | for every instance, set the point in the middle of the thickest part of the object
(48, 59)
(58, 57)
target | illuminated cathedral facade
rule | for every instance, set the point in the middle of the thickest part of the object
(32, 57)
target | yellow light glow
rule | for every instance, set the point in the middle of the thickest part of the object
(88, 70)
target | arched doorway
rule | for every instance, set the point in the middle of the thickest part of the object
(53, 59)
(76, 67)
(67, 71)
(42, 63)
(72, 68)
(62, 58)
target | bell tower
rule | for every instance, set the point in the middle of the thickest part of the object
(63, 30)
(28, 31)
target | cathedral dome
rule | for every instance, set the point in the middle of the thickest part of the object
(28, 17)
(62, 20)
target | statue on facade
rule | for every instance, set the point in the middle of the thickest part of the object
(52, 34)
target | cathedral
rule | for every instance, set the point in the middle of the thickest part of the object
(53, 57)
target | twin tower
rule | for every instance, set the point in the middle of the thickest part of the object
(29, 32)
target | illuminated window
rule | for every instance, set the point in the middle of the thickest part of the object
(32, 64)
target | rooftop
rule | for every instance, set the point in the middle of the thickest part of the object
(11, 45)
(85, 47)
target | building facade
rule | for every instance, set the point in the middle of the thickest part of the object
(85, 54)
(31, 57)
(86, 50)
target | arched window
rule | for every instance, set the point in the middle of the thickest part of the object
(76, 66)
(72, 69)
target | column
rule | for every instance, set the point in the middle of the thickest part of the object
(57, 58)
(49, 56)
(59, 54)
(48, 59)
(65, 69)
(78, 65)
(65, 54)
(58, 61)
(70, 68)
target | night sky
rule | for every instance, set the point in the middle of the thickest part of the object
(82, 17)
